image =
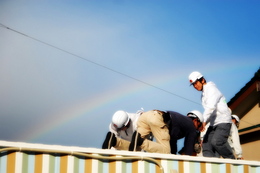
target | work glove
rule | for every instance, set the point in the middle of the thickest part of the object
(197, 148)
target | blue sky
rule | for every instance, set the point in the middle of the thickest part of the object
(72, 64)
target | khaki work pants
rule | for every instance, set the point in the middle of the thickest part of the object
(152, 121)
(122, 144)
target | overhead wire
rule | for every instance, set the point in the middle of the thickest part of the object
(100, 65)
(93, 62)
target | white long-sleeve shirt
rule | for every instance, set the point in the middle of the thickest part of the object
(216, 110)
(234, 141)
(128, 133)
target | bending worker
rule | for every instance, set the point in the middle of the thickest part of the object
(188, 128)
(121, 130)
(167, 127)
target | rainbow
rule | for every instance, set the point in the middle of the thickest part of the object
(91, 105)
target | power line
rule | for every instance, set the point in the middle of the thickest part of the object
(90, 61)
(103, 66)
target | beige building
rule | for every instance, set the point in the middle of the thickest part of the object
(246, 105)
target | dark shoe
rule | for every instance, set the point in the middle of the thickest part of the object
(136, 141)
(110, 141)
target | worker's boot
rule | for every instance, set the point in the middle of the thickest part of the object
(136, 141)
(110, 141)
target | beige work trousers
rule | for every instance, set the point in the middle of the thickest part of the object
(122, 144)
(152, 121)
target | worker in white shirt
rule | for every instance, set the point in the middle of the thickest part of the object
(234, 140)
(121, 129)
(216, 112)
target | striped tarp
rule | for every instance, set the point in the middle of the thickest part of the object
(43, 162)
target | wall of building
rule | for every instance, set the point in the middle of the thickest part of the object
(251, 151)
(252, 117)
(250, 133)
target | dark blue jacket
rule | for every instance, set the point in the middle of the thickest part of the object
(182, 127)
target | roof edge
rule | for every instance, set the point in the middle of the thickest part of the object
(242, 90)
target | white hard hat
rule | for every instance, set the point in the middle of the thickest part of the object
(194, 76)
(236, 117)
(196, 114)
(120, 119)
